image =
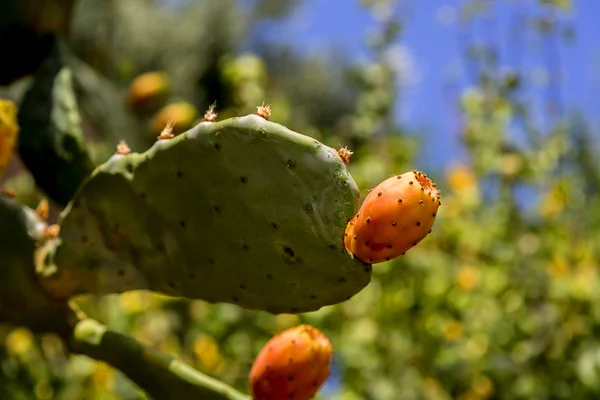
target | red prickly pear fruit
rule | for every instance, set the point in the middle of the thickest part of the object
(395, 216)
(294, 364)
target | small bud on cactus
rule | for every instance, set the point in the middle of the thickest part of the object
(293, 365)
(395, 216)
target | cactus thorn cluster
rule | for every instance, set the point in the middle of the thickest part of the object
(264, 111)
(123, 148)
(167, 132)
(210, 115)
(345, 154)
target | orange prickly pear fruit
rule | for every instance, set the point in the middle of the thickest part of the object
(148, 91)
(8, 132)
(395, 216)
(294, 364)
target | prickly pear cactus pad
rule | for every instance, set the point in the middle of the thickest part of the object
(22, 299)
(51, 141)
(244, 211)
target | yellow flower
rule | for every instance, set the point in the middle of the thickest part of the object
(19, 341)
(453, 331)
(206, 350)
(467, 278)
(557, 267)
(8, 132)
(463, 184)
(461, 178)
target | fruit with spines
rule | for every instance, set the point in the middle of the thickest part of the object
(395, 216)
(294, 364)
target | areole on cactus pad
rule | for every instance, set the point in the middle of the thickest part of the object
(294, 364)
(395, 216)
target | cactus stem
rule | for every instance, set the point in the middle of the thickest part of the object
(159, 375)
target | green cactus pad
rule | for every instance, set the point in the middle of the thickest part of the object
(51, 141)
(243, 211)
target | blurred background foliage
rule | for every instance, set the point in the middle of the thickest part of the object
(499, 302)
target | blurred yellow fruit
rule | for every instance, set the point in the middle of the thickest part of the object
(148, 91)
(182, 115)
(19, 341)
(9, 130)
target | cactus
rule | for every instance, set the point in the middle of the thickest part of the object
(51, 142)
(292, 365)
(395, 216)
(8, 133)
(242, 210)
(22, 299)
(160, 376)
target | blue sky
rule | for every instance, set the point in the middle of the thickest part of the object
(432, 40)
